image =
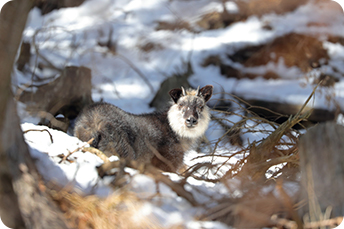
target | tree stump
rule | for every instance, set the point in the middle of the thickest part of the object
(65, 95)
(177, 80)
(322, 169)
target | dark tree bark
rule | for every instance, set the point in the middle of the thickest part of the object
(322, 167)
(22, 203)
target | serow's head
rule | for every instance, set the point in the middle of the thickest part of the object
(189, 115)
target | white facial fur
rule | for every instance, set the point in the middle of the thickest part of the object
(177, 122)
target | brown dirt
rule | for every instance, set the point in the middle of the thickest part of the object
(297, 50)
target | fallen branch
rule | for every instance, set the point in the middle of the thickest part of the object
(324, 223)
(149, 170)
(177, 187)
(54, 122)
(160, 157)
(96, 152)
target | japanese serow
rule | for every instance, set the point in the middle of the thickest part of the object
(159, 138)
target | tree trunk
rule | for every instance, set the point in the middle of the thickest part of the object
(322, 167)
(22, 203)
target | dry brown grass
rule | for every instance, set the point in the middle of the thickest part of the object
(122, 209)
(261, 7)
(296, 50)
(216, 20)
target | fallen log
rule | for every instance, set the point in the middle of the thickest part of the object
(280, 112)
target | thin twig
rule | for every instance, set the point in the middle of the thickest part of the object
(112, 49)
(50, 64)
(138, 71)
(77, 149)
(51, 137)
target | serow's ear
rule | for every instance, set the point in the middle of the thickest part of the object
(206, 92)
(175, 94)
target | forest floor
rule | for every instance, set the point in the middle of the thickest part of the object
(276, 54)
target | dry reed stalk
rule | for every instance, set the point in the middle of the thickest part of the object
(257, 158)
(264, 154)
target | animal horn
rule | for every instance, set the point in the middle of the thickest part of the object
(197, 92)
(183, 90)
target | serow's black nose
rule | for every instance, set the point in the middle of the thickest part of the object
(191, 121)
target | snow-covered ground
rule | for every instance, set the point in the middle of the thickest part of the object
(80, 172)
(71, 36)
